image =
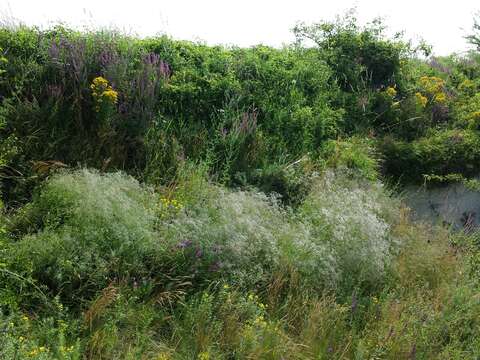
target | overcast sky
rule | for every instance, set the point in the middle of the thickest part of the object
(248, 22)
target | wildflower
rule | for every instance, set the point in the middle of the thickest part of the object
(99, 82)
(440, 97)
(260, 321)
(467, 85)
(163, 356)
(421, 100)
(102, 92)
(25, 318)
(204, 356)
(33, 352)
(432, 84)
(66, 349)
(391, 91)
(110, 95)
(226, 287)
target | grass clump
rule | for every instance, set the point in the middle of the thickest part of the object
(82, 230)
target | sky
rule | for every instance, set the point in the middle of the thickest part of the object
(441, 24)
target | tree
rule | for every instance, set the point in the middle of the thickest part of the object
(474, 38)
(360, 56)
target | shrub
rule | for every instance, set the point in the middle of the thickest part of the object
(442, 153)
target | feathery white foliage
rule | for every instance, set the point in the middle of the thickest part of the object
(354, 220)
(341, 232)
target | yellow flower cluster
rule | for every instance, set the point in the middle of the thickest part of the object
(440, 97)
(434, 88)
(66, 349)
(421, 100)
(167, 206)
(163, 356)
(37, 351)
(432, 84)
(171, 203)
(476, 115)
(260, 321)
(254, 299)
(391, 91)
(204, 356)
(466, 85)
(103, 93)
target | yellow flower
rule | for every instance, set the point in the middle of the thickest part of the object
(33, 352)
(421, 100)
(440, 97)
(391, 91)
(432, 84)
(111, 95)
(260, 321)
(163, 356)
(204, 356)
(101, 90)
(467, 85)
(99, 82)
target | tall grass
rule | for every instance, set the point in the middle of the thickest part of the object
(200, 271)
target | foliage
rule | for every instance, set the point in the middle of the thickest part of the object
(171, 200)
(443, 153)
(202, 271)
(474, 38)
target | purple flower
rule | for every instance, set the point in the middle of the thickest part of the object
(354, 303)
(107, 57)
(248, 122)
(164, 69)
(216, 266)
(436, 64)
(160, 67)
(151, 59)
(54, 50)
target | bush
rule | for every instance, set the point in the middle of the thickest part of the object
(443, 152)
